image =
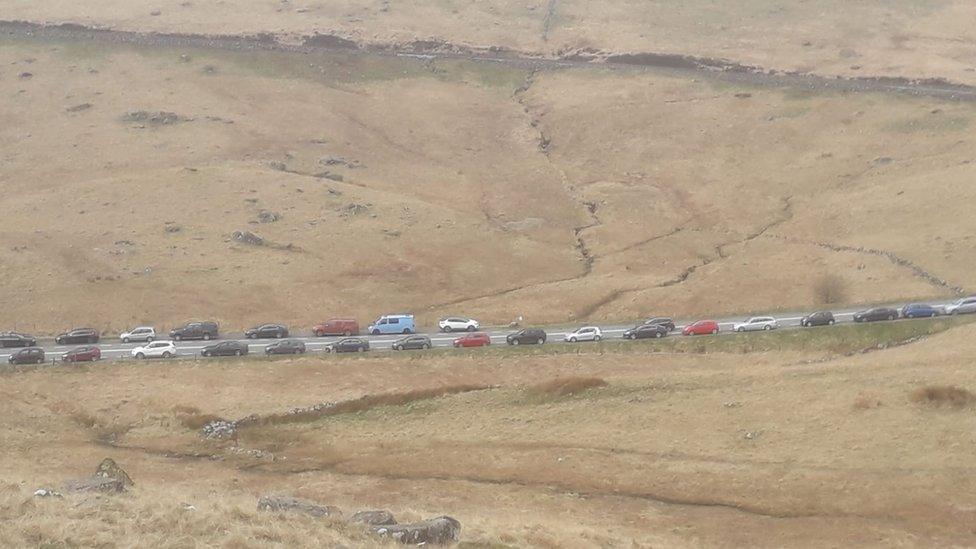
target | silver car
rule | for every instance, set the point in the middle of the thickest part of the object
(962, 306)
(756, 324)
(142, 333)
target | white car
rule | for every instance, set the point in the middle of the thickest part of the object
(155, 349)
(756, 324)
(586, 333)
(142, 333)
(458, 324)
(962, 306)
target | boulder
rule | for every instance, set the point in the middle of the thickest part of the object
(111, 470)
(373, 518)
(247, 237)
(297, 505)
(435, 530)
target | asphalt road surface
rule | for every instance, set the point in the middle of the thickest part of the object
(114, 349)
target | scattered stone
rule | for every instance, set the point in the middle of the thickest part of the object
(173, 228)
(752, 435)
(209, 69)
(26, 75)
(265, 216)
(883, 160)
(220, 429)
(391, 233)
(436, 530)
(743, 95)
(79, 108)
(155, 13)
(278, 165)
(247, 237)
(47, 493)
(154, 118)
(333, 161)
(185, 58)
(374, 518)
(333, 176)
(354, 209)
(288, 503)
(732, 404)
(335, 192)
(523, 225)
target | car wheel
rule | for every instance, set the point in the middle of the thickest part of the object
(328, 349)
(280, 335)
(407, 331)
(206, 354)
(767, 327)
(715, 331)
(318, 334)
(301, 351)
(178, 337)
(426, 346)
(540, 341)
(397, 348)
(909, 316)
(125, 340)
(448, 329)
(206, 337)
(167, 354)
(658, 335)
(513, 342)
(140, 356)
(362, 349)
(238, 352)
(740, 329)
(150, 339)
(375, 332)
(597, 338)
(572, 340)
(830, 322)
(891, 317)
(471, 328)
(632, 336)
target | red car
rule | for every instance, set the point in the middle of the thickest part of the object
(337, 327)
(82, 354)
(475, 339)
(702, 327)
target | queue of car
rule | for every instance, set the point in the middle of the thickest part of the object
(405, 326)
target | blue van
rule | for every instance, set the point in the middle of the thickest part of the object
(392, 324)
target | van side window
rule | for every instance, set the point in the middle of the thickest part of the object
(394, 321)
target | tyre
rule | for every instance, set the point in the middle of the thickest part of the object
(140, 356)
(347, 333)
(178, 337)
(471, 328)
(375, 332)
(301, 351)
(740, 330)
(205, 354)
(540, 341)
(407, 331)
(362, 349)
(426, 346)
(125, 340)
(448, 329)
(658, 335)
(767, 327)
(632, 337)
(597, 338)
(319, 334)
(571, 340)
(206, 337)
(238, 353)
(397, 348)
(167, 354)
(891, 317)
(909, 316)
(830, 322)
(513, 342)
(715, 331)
(280, 335)
(150, 339)
(328, 349)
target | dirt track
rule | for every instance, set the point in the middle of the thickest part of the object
(323, 43)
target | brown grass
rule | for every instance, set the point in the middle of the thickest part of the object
(566, 386)
(943, 396)
(830, 289)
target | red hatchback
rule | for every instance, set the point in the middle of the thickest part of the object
(702, 327)
(476, 339)
(337, 327)
(82, 354)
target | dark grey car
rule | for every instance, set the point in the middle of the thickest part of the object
(225, 348)
(412, 343)
(285, 347)
(13, 339)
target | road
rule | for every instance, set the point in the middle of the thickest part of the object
(114, 349)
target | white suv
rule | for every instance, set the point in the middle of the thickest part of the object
(586, 333)
(458, 324)
(155, 349)
(142, 333)
(756, 323)
(962, 306)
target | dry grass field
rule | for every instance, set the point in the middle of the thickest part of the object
(908, 38)
(456, 187)
(784, 444)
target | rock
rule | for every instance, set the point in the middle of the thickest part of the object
(26, 75)
(373, 518)
(96, 484)
(265, 216)
(155, 13)
(333, 161)
(47, 493)
(111, 470)
(154, 118)
(79, 107)
(288, 503)
(220, 429)
(172, 228)
(278, 165)
(354, 209)
(247, 237)
(436, 530)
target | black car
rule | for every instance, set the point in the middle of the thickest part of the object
(13, 339)
(267, 331)
(30, 355)
(195, 330)
(819, 318)
(528, 336)
(646, 331)
(225, 348)
(667, 322)
(412, 343)
(285, 347)
(348, 345)
(875, 314)
(78, 335)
